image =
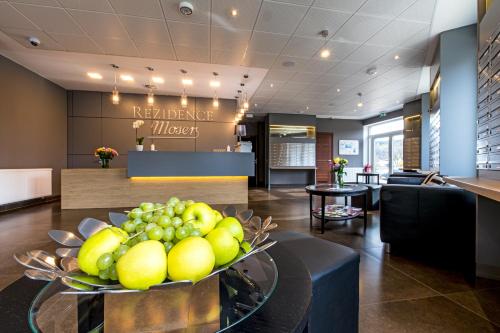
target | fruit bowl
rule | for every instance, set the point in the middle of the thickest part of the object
(65, 267)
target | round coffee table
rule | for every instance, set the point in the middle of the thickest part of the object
(333, 190)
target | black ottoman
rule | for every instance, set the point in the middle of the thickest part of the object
(373, 197)
(334, 273)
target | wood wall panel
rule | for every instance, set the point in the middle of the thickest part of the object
(110, 188)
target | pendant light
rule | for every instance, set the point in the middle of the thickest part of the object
(151, 97)
(325, 52)
(360, 103)
(115, 95)
(185, 81)
(215, 84)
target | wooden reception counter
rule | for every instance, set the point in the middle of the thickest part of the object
(214, 178)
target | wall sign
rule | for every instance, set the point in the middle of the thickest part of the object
(168, 123)
(348, 147)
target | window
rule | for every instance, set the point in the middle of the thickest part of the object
(385, 147)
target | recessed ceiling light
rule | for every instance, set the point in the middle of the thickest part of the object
(234, 12)
(187, 82)
(157, 79)
(288, 63)
(94, 75)
(307, 108)
(255, 105)
(325, 53)
(271, 85)
(371, 71)
(338, 89)
(396, 57)
(215, 84)
(126, 77)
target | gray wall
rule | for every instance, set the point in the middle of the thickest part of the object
(344, 129)
(458, 101)
(32, 121)
(424, 153)
(93, 121)
(389, 115)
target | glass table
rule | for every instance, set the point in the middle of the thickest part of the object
(213, 305)
(333, 190)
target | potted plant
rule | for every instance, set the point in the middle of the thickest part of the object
(105, 154)
(138, 140)
(337, 166)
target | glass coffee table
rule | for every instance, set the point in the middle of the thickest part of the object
(333, 190)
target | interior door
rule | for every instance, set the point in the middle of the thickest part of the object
(324, 153)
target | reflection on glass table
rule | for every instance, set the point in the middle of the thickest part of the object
(213, 305)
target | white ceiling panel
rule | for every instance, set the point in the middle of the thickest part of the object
(417, 41)
(349, 6)
(52, 3)
(76, 43)
(302, 47)
(146, 30)
(397, 32)
(222, 37)
(117, 46)
(22, 35)
(144, 8)
(50, 19)
(266, 42)
(340, 50)
(190, 35)
(11, 18)
(421, 10)
(279, 17)
(201, 11)
(223, 57)
(247, 13)
(155, 51)
(93, 5)
(100, 25)
(318, 19)
(385, 8)
(346, 68)
(319, 66)
(305, 77)
(295, 87)
(192, 54)
(258, 59)
(360, 28)
(279, 75)
(281, 61)
(367, 53)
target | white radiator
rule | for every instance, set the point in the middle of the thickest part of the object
(351, 174)
(24, 184)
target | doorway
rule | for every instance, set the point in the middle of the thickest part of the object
(387, 154)
(324, 153)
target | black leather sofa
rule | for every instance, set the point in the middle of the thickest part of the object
(413, 215)
(334, 273)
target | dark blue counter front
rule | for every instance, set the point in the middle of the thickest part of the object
(172, 164)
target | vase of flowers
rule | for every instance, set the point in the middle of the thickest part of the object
(139, 140)
(105, 154)
(337, 166)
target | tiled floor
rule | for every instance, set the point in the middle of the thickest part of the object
(397, 294)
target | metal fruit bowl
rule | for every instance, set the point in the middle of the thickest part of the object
(64, 266)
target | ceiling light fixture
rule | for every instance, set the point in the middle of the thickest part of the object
(94, 75)
(151, 97)
(215, 84)
(338, 90)
(187, 82)
(157, 79)
(184, 99)
(371, 71)
(115, 95)
(396, 57)
(271, 85)
(325, 52)
(360, 103)
(127, 77)
(234, 12)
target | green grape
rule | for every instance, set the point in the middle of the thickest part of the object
(181, 233)
(140, 227)
(128, 226)
(112, 272)
(168, 246)
(104, 274)
(188, 202)
(155, 233)
(176, 222)
(135, 213)
(195, 233)
(173, 201)
(121, 250)
(132, 242)
(147, 217)
(179, 208)
(164, 221)
(168, 234)
(147, 206)
(155, 219)
(104, 261)
(189, 227)
(137, 221)
(169, 211)
(159, 212)
(142, 237)
(159, 205)
(150, 226)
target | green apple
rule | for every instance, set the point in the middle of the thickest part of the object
(224, 245)
(104, 241)
(233, 226)
(218, 216)
(245, 246)
(143, 265)
(201, 216)
(190, 259)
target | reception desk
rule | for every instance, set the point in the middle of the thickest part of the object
(214, 178)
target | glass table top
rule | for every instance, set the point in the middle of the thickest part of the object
(334, 188)
(212, 305)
